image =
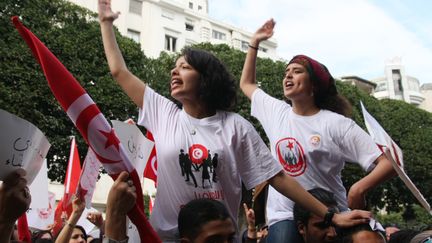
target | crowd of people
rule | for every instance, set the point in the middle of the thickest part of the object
(197, 136)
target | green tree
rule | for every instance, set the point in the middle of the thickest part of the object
(73, 35)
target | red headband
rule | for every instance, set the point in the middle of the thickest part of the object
(318, 71)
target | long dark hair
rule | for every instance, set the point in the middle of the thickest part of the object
(217, 85)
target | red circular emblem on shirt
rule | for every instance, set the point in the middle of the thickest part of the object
(198, 153)
(291, 155)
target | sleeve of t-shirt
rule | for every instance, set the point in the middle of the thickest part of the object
(155, 111)
(359, 147)
(267, 110)
(254, 160)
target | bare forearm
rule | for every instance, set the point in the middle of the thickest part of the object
(381, 173)
(290, 188)
(115, 225)
(112, 51)
(248, 77)
(66, 232)
(130, 84)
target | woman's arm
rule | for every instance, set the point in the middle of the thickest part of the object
(248, 78)
(130, 84)
(382, 172)
(65, 234)
(290, 188)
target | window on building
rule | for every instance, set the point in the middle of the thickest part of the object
(263, 49)
(397, 81)
(189, 26)
(135, 6)
(382, 86)
(199, 7)
(244, 45)
(170, 43)
(218, 35)
(191, 5)
(134, 35)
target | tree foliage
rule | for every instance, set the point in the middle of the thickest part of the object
(72, 34)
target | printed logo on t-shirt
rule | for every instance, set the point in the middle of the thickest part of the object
(315, 141)
(291, 155)
(198, 162)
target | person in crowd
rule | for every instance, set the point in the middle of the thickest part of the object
(205, 220)
(42, 236)
(310, 136)
(71, 232)
(252, 234)
(311, 227)
(15, 200)
(422, 237)
(199, 122)
(361, 234)
(403, 236)
(121, 199)
(97, 219)
(390, 229)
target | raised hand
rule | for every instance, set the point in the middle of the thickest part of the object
(105, 12)
(15, 197)
(250, 219)
(351, 218)
(265, 31)
(95, 218)
(122, 195)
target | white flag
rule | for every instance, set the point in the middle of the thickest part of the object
(394, 154)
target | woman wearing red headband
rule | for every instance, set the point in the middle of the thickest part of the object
(310, 136)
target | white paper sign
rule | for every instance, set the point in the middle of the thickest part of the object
(41, 218)
(39, 188)
(137, 146)
(89, 175)
(22, 144)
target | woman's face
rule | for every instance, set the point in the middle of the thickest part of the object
(296, 83)
(77, 236)
(184, 81)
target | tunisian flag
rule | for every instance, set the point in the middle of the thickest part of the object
(150, 170)
(73, 172)
(90, 122)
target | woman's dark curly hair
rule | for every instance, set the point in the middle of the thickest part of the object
(217, 85)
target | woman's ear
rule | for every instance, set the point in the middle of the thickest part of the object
(301, 228)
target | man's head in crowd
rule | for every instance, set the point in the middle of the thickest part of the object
(205, 220)
(361, 233)
(389, 230)
(311, 227)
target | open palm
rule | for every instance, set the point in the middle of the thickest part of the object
(105, 12)
(265, 31)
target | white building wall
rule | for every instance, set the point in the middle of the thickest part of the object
(159, 18)
(397, 84)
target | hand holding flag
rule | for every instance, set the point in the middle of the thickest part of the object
(90, 122)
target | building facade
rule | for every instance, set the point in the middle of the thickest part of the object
(396, 84)
(426, 90)
(169, 25)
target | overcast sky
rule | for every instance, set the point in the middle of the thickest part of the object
(353, 37)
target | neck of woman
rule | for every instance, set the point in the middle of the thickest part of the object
(305, 108)
(198, 110)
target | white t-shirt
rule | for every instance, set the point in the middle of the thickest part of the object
(241, 156)
(312, 149)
